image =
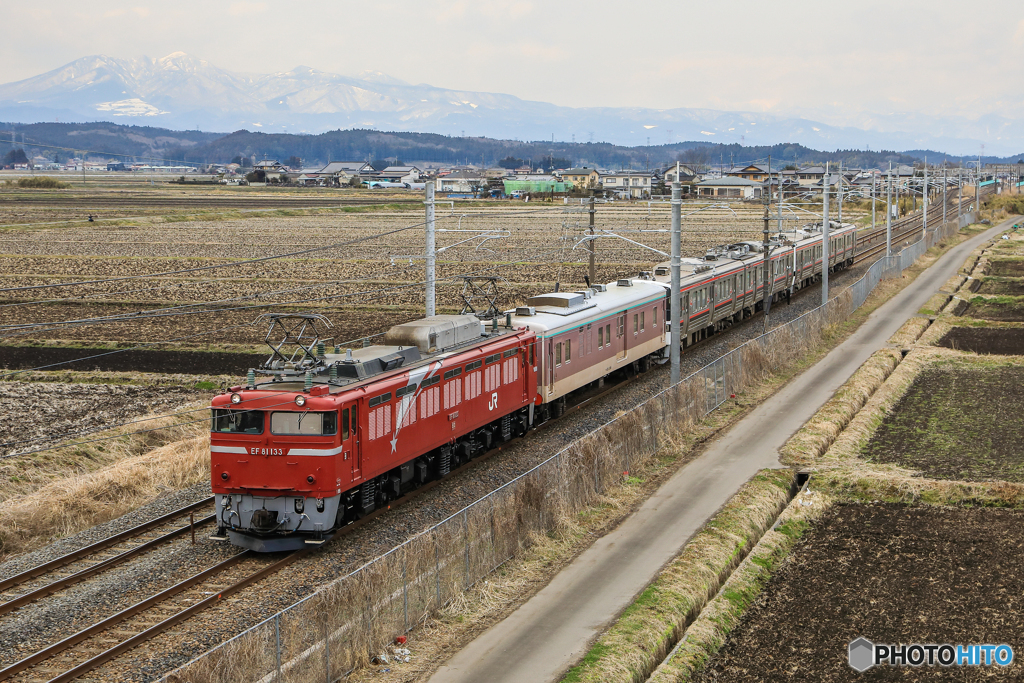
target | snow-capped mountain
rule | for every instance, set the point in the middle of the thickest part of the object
(184, 92)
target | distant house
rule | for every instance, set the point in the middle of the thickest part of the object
(581, 178)
(756, 172)
(337, 173)
(273, 170)
(810, 175)
(461, 181)
(629, 184)
(686, 174)
(400, 174)
(729, 188)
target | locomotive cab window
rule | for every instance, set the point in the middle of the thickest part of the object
(344, 425)
(305, 423)
(237, 421)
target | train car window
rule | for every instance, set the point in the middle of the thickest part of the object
(354, 420)
(600, 337)
(531, 354)
(511, 352)
(455, 372)
(437, 378)
(558, 354)
(654, 315)
(406, 390)
(568, 350)
(622, 325)
(636, 323)
(493, 358)
(641, 321)
(377, 400)
(607, 334)
(305, 423)
(344, 425)
(474, 365)
(237, 421)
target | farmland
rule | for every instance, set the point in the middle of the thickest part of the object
(214, 269)
(957, 422)
(895, 574)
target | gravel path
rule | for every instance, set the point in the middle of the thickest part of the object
(58, 616)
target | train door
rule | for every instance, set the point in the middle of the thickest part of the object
(349, 441)
(551, 365)
(621, 329)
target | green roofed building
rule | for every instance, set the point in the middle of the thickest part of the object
(535, 183)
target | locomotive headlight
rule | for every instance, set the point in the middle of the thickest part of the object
(300, 505)
(236, 398)
(300, 400)
(225, 502)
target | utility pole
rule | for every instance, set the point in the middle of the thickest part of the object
(873, 182)
(959, 193)
(924, 208)
(592, 247)
(945, 192)
(840, 193)
(824, 241)
(977, 188)
(431, 248)
(767, 251)
(888, 214)
(675, 331)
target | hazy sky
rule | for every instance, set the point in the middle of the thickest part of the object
(825, 60)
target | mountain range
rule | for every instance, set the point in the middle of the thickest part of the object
(183, 92)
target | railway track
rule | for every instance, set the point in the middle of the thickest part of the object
(65, 571)
(96, 645)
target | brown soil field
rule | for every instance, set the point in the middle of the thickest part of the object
(50, 411)
(85, 359)
(1002, 309)
(1006, 267)
(1000, 286)
(957, 423)
(199, 329)
(354, 267)
(892, 574)
(1005, 341)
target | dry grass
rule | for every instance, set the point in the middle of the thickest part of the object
(25, 474)
(709, 631)
(910, 332)
(807, 446)
(71, 504)
(643, 635)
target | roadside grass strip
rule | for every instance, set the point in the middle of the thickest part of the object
(648, 628)
(716, 621)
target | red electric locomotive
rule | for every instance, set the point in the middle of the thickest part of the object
(333, 436)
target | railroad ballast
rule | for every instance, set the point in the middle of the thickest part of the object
(325, 438)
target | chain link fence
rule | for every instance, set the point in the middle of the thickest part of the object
(336, 629)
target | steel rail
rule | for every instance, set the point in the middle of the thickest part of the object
(99, 627)
(176, 619)
(109, 563)
(99, 545)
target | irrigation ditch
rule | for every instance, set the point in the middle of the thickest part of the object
(338, 628)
